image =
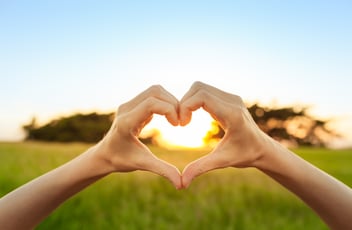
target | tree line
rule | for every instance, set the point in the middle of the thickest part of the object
(88, 128)
(287, 124)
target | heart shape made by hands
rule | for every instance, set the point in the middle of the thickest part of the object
(238, 148)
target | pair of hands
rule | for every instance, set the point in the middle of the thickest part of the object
(243, 144)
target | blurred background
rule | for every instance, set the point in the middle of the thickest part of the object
(59, 58)
(65, 67)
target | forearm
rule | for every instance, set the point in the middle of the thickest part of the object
(26, 206)
(328, 197)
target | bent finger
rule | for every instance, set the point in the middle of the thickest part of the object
(215, 106)
(197, 86)
(143, 112)
(156, 91)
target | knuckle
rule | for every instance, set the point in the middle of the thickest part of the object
(203, 93)
(238, 100)
(155, 89)
(122, 108)
(198, 85)
(150, 102)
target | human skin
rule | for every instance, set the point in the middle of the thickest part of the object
(119, 151)
(245, 145)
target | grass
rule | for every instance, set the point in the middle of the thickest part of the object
(221, 199)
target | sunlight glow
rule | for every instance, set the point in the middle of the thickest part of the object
(190, 136)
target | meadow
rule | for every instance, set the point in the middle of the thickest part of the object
(222, 199)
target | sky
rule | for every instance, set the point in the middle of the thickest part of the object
(61, 57)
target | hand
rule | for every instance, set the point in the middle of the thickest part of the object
(243, 143)
(121, 147)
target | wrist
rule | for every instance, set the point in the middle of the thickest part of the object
(98, 161)
(269, 153)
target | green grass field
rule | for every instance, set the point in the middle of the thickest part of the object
(222, 199)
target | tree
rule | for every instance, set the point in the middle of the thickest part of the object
(288, 124)
(78, 127)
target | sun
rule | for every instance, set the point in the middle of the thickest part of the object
(190, 136)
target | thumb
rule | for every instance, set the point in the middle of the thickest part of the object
(199, 167)
(165, 170)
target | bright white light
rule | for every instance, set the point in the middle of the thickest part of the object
(189, 136)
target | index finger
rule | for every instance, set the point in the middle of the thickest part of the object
(135, 120)
(156, 91)
(215, 106)
(197, 86)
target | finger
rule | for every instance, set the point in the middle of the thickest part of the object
(163, 169)
(214, 105)
(143, 112)
(196, 86)
(155, 91)
(199, 167)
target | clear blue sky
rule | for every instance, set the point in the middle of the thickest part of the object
(58, 57)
